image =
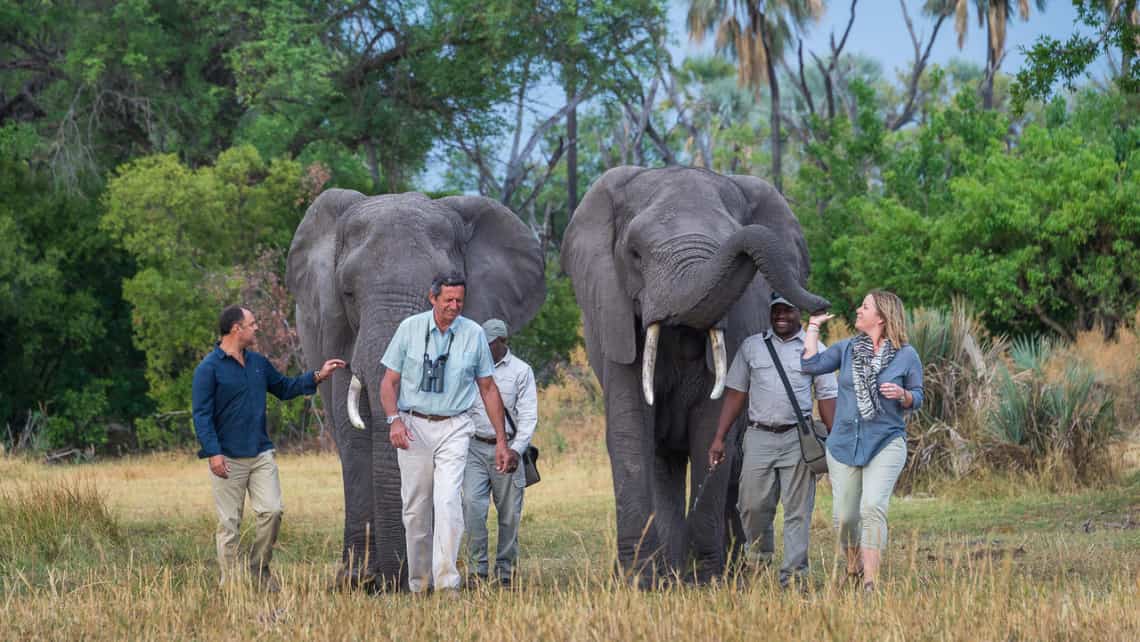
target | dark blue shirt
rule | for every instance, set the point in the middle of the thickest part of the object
(229, 402)
(854, 440)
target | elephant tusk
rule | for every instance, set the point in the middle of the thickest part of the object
(649, 361)
(720, 358)
(353, 403)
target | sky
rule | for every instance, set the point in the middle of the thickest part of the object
(880, 33)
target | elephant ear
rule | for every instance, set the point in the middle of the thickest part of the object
(502, 261)
(311, 277)
(588, 257)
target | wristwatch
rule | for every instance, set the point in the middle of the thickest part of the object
(391, 418)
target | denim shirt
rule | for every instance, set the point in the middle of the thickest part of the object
(469, 359)
(854, 440)
(229, 402)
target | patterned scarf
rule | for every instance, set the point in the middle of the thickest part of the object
(865, 368)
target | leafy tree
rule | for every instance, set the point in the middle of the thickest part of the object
(382, 81)
(1116, 31)
(553, 334)
(66, 330)
(1047, 232)
(184, 227)
(103, 83)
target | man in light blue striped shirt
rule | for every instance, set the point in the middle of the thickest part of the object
(437, 362)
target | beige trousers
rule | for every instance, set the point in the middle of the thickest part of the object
(431, 483)
(257, 476)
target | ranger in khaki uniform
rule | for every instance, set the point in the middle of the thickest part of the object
(773, 469)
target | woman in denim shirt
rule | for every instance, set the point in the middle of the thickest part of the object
(880, 380)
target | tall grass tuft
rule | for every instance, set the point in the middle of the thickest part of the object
(959, 359)
(1054, 415)
(571, 411)
(43, 521)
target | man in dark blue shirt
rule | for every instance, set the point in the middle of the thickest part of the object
(229, 418)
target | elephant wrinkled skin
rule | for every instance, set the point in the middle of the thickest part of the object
(673, 269)
(358, 266)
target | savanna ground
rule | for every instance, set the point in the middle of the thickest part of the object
(124, 550)
(986, 560)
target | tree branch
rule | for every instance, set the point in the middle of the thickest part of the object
(920, 60)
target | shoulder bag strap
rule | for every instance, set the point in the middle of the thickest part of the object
(514, 428)
(804, 428)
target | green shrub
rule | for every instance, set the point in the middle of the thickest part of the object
(1052, 415)
(958, 358)
(549, 339)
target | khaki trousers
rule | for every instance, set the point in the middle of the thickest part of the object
(431, 482)
(257, 476)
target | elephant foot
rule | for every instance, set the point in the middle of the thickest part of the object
(352, 579)
(646, 576)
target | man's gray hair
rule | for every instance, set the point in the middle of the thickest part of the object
(448, 280)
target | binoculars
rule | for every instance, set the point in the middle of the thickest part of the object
(432, 378)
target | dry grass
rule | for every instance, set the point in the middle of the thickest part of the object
(995, 563)
(124, 550)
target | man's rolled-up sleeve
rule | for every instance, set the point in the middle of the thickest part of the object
(738, 372)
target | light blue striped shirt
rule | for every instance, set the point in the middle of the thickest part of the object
(468, 359)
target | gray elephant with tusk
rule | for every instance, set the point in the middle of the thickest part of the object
(673, 269)
(358, 266)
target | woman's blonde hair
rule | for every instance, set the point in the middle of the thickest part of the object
(894, 316)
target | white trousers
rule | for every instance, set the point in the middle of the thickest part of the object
(860, 496)
(431, 485)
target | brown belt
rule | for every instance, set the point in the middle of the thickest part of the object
(428, 417)
(773, 429)
(486, 440)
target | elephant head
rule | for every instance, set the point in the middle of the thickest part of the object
(682, 247)
(689, 255)
(358, 266)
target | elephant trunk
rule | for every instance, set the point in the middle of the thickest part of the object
(711, 287)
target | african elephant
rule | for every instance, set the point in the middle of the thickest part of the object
(671, 268)
(357, 267)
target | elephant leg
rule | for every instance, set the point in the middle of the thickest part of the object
(629, 441)
(355, 449)
(706, 524)
(669, 498)
(387, 565)
(734, 537)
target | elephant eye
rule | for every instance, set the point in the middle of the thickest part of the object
(347, 294)
(636, 256)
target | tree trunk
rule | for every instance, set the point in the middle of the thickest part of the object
(373, 166)
(774, 91)
(571, 153)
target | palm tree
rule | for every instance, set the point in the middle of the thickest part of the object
(1123, 11)
(755, 33)
(994, 15)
